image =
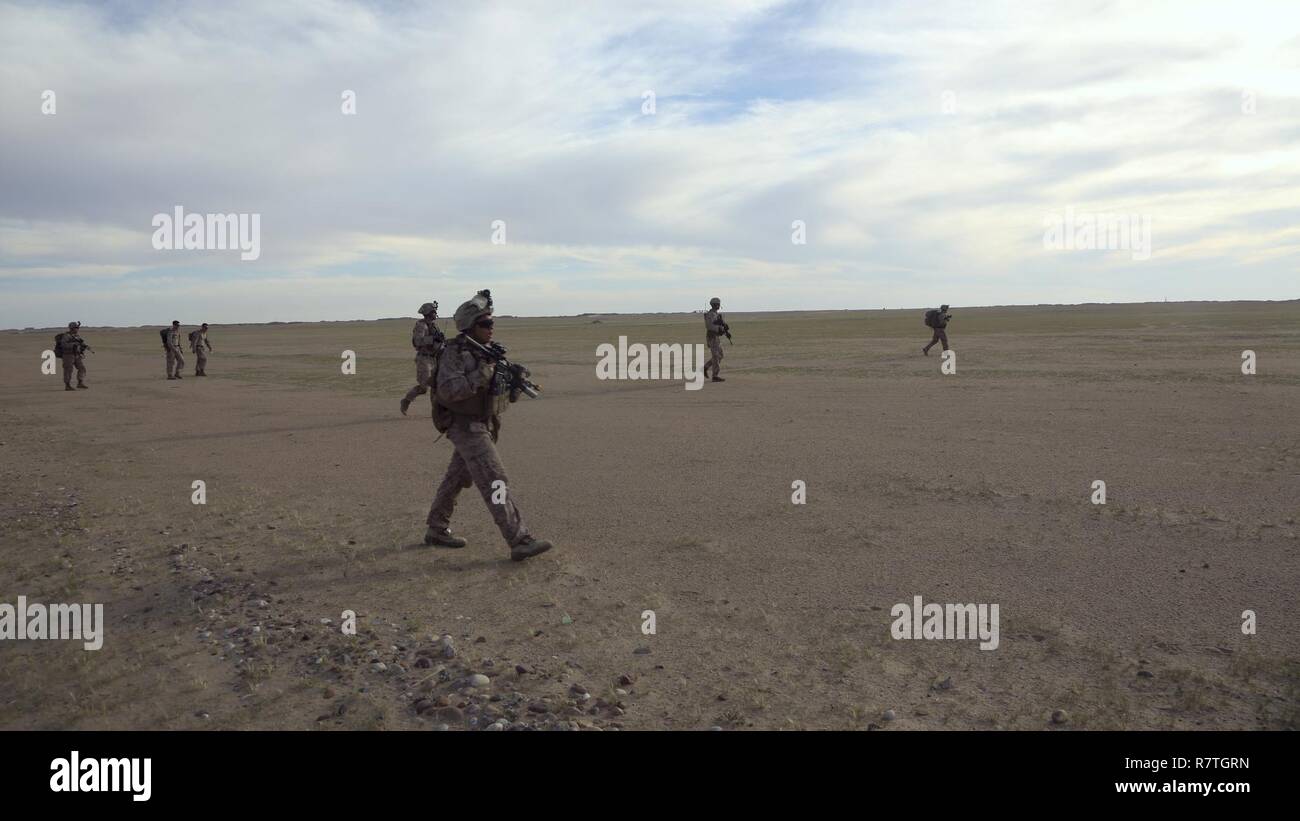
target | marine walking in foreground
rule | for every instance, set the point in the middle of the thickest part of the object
(473, 385)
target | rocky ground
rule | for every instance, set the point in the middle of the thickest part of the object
(770, 615)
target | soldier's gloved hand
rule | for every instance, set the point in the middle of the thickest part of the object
(483, 376)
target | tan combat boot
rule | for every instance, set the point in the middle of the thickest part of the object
(443, 538)
(528, 548)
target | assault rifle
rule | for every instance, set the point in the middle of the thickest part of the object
(726, 331)
(518, 373)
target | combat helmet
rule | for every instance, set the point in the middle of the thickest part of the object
(715, 302)
(428, 308)
(469, 312)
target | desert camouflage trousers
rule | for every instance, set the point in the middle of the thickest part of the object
(939, 336)
(175, 362)
(71, 362)
(715, 363)
(476, 462)
(423, 373)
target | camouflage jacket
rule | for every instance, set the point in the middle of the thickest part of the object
(714, 324)
(72, 344)
(426, 338)
(464, 384)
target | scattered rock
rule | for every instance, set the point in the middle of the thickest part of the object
(1060, 717)
(889, 715)
(446, 647)
(450, 715)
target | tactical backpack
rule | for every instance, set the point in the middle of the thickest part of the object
(442, 416)
(163, 333)
(932, 318)
(58, 345)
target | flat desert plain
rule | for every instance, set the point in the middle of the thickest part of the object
(974, 487)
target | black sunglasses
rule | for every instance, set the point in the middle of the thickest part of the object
(484, 323)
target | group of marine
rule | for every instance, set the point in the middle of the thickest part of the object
(71, 348)
(472, 383)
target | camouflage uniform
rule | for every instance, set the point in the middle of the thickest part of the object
(940, 335)
(200, 346)
(73, 348)
(467, 405)
(175, 359)
(714, 326)
(428, 341)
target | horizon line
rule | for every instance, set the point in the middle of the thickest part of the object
(687, 313)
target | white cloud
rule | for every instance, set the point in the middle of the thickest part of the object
(830, 113)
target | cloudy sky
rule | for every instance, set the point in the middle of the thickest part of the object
(922, 144)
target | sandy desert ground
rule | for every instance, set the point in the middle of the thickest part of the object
(973, 487)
